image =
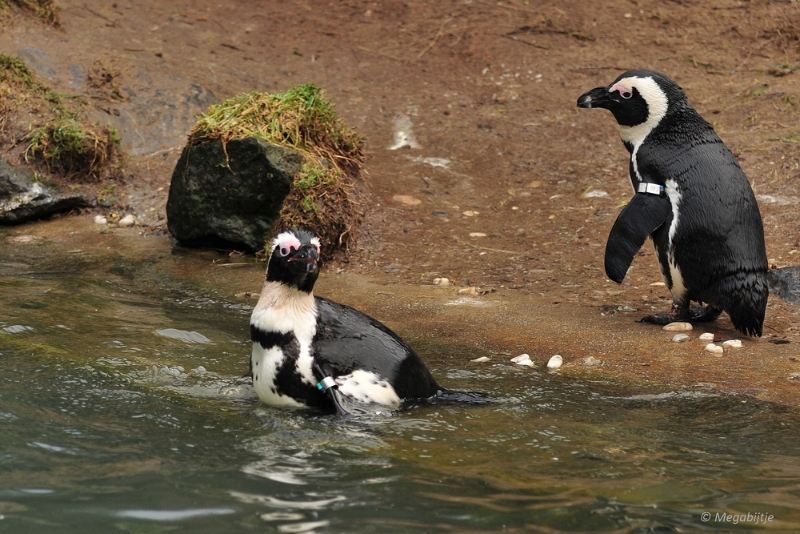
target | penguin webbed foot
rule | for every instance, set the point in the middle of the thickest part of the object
(704, 314)
(682, 312)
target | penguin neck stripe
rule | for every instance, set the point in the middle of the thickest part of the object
(657, 107)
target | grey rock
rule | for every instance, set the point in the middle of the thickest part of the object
(39, 61)
(785, 283)
(230, 202)
(22, 198)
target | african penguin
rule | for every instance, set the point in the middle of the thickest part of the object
(310, 351)
(692, 198)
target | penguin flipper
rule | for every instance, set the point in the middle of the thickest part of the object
(640, 218)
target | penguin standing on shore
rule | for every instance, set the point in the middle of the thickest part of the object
(692, 198)
(310, 351)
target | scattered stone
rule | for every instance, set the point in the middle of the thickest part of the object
(472, 291)
(99, 219)
(706, 336)
(441, 282)
(22, 239)
(523, 359)
(680, 338)
(794, 376)
(732, 344)
(595, 193)
(408, 200)
(469, 213)
(555, 362)
(127, 221)
(477, 234)
(18, 329)
(714, 349)
(481, 359)
(590, 361)
(403, 136)
(678, 327)
(658, 284)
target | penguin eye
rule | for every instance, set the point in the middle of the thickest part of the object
(284, 251)
(625, 94)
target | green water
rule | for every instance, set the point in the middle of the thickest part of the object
(122, 409)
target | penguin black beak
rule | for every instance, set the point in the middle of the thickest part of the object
(596, 98)
(308, 255)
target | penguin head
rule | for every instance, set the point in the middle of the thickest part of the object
(638, 99)
(295, 260)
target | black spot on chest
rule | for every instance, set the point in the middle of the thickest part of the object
(267, 340)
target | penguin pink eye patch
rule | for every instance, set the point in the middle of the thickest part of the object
(623, 91)
(288, 245)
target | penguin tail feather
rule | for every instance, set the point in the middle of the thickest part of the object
(745, 300)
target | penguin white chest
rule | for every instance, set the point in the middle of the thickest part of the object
(265, 365)
(678, 288)
(286, 320)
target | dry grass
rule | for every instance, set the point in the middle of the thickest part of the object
(52, 136)
(45, 10)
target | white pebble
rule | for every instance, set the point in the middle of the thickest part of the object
(707, 336)
(714, 349)
(590, 361)
(680, 338)
(523, 359)
(481, 359)
(732, 344)
(128, 220)
(99, 219)
(441, 282)
(678, 327)
(555, 362)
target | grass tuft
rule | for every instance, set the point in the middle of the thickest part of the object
(321, 198)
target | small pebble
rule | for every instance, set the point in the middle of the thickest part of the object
(477, 234)
(732, 344)
(472, 291)
(441, 282)
(481, 359)
(678, 327)
(408, 200)
(469, 213)
(714, 349)
(590, 361)
(128, 220)
(523, 359)
(555, 362)
(706, 336)
(99, 219)
(680, 338)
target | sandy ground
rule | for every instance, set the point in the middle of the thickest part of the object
(495, 145)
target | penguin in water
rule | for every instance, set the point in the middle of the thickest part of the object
(310, 351)
(692, 198)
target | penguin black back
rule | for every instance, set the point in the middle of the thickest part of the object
(692, 198)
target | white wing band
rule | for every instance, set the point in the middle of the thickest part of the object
(650, 189)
